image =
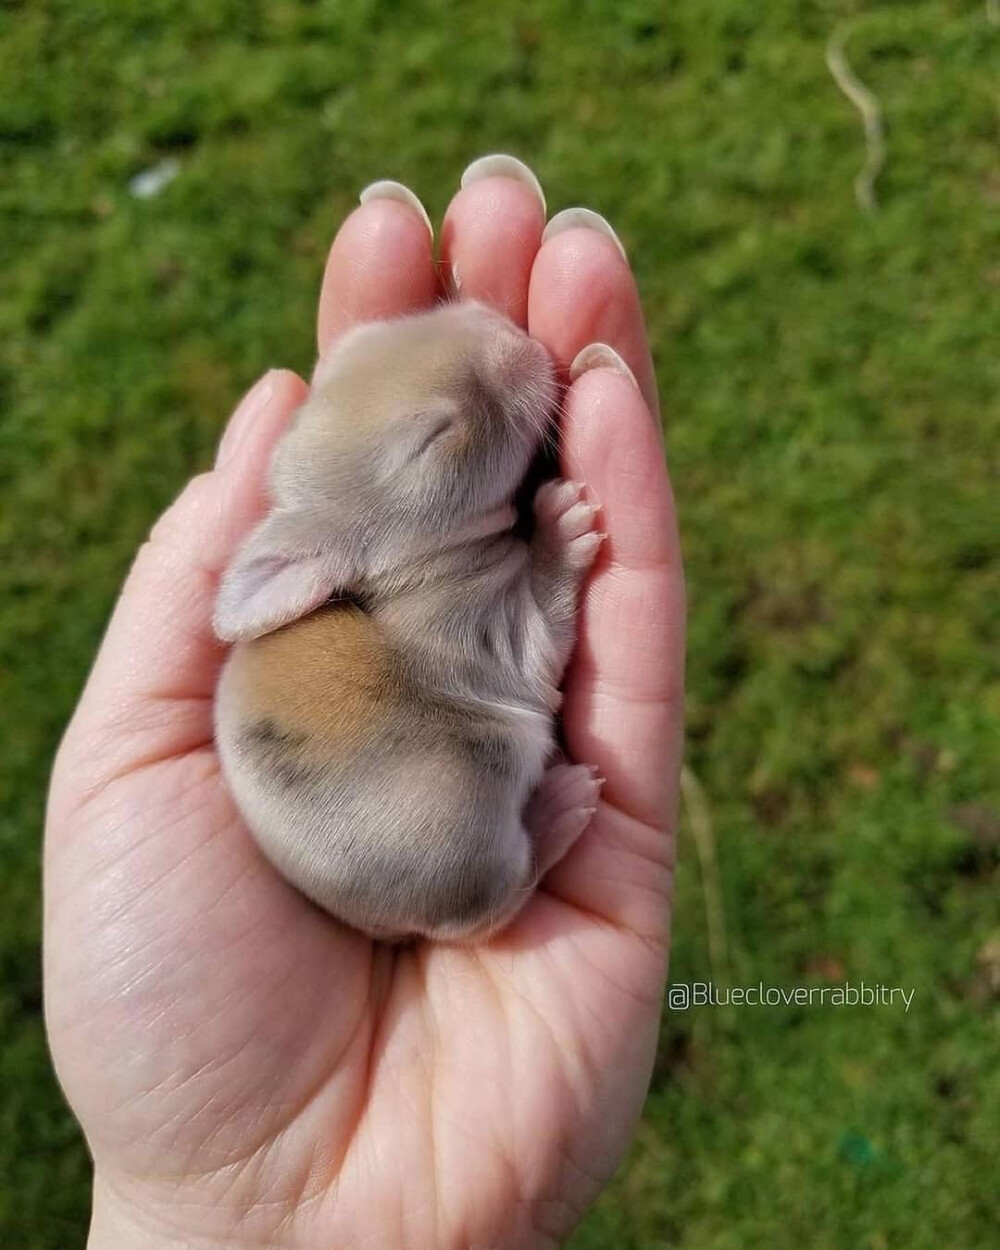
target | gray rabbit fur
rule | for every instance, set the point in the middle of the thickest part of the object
(385, 718)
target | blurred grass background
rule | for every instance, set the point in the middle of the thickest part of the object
(830, 383)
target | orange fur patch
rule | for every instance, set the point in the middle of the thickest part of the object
(327, 677)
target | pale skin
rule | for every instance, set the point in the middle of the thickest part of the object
(246, 1071)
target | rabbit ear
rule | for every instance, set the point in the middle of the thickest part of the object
(277, 577)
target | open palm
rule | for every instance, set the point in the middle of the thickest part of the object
(247, 1071)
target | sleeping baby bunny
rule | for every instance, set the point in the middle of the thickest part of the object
(385, 720)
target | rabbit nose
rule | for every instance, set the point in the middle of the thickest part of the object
(522, 360)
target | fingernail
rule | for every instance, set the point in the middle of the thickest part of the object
(599, 356)
(570, 218)
(454, 280)
(248, 410)
(389, 190)
(500, 165)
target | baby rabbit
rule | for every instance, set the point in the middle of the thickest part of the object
(385, 721)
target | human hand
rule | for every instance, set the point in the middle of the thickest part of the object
(249, 1072)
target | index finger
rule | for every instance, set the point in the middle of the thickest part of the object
(624, 696)
(624, 693)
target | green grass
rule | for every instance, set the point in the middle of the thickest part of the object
(830, 383)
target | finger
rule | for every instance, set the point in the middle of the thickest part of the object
(624, 693)
(624, 699)
(582, 291)
(149, 693)
(381, 263)
(491, 232)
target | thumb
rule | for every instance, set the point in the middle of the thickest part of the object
(149, 694)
